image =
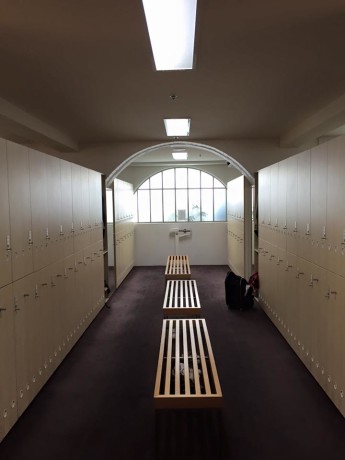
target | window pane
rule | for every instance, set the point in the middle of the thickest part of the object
(207, 204)
(169, 178)
(145, 185)
(143, 206)
(181, 205)
(193, 178)
(194, 205)
(217, 183)
(206, 180)
(181, 177)
(156, 206)
(219, 204)
(169, 205)
(156, 181)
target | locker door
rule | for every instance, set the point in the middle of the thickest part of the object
(67, 300)
(54, 208)
(5, 239)
(66, 224)
(8, 393)
(318, 204)
(49, 320)
(336, 207)
(77, 207)
(282, 194)
(336, 340)
(264, 202)
(274, 191)
(20, 209)
(291, 326)
(85, 207)
(303, 205)
(39, 209)
(282, 292)
(291, 205)
(27, 340)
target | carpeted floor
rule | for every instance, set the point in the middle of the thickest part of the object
(99, 403)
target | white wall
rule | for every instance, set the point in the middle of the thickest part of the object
(206, 246)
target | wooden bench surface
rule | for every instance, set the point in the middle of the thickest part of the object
(181, 298)
(186, 372)
(177, 267)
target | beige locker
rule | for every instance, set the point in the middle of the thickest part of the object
(292, 321)
(318, 204)
(28, 343)
(66, 223)
(39, 209)
(20, 210)
(291, 205)
(303, 205)
(335, 298)
(78, 225)
(282, 197)
(5, 237)
(49, 319)
(336, 207)
(264, 202)
(8, 393)
(282, 292)
(67, 300)
(85, 207)
(274, 194)
(54, 208)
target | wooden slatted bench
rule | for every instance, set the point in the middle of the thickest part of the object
(177, 267)
(186, 372)
(181, 298)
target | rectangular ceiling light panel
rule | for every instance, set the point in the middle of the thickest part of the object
(177, 126)
(180, 155)
(171, 26)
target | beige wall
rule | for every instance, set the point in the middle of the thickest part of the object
(302, 259)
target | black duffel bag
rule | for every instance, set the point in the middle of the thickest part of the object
(238, 292)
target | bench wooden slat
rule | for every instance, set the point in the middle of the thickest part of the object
(194, 358)
(189, 375)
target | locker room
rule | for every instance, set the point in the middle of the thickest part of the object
(82, 275)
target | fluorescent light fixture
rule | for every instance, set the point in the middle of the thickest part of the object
(177, 126)
(180, 155)
(171, 26)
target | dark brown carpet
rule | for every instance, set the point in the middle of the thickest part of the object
(99, 403)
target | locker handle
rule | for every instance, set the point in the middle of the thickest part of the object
(298, 274)
(3, 309)
(44, 284)
(26, 295)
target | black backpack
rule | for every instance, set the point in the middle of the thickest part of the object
(238, 293)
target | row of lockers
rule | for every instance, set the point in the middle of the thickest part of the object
(49, 209)
(235, 225)
(51, 268)
(41, 317)
(302, 205)
(306, 302)
(301, 258)
(124, 229)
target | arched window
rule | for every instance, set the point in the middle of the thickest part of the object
(180, 195)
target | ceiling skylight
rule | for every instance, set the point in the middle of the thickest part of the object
(177, 126)
(171, 26)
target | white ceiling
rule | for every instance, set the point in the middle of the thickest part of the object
(80, 72)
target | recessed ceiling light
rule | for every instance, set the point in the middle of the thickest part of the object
(171, 26)
(177, 126)
(180, 155)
